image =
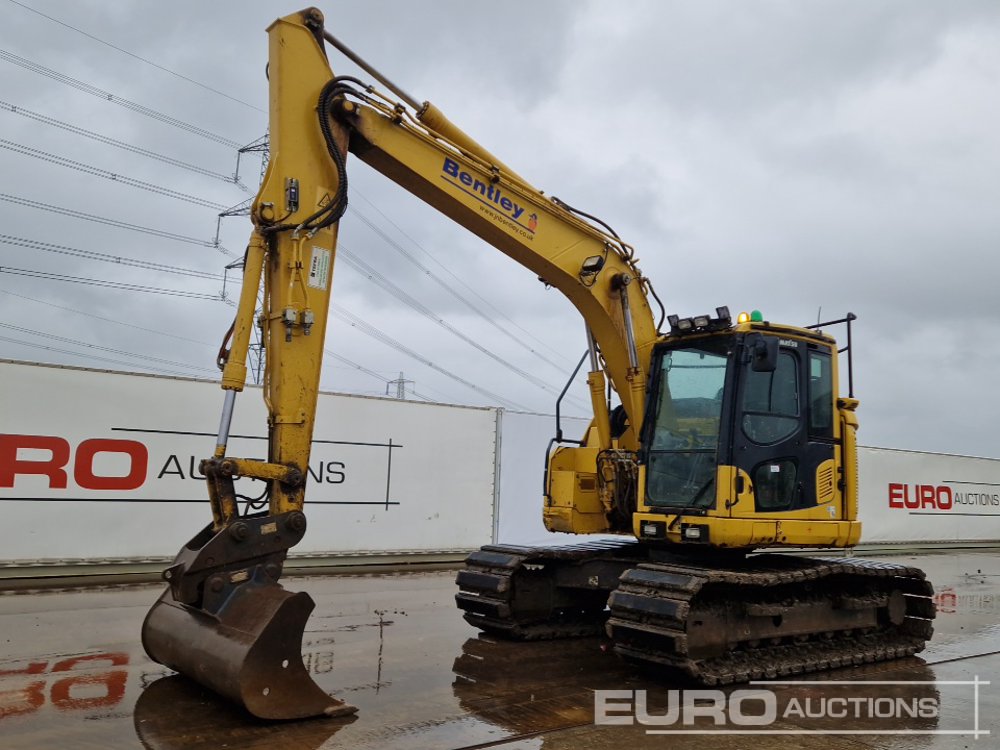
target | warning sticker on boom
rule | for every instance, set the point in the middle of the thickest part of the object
(319, 268)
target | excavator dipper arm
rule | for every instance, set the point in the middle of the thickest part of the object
(225, 620)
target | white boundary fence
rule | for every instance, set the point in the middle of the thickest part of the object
(100, 465)
(97, 465)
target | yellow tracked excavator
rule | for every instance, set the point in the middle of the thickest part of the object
(728, 436)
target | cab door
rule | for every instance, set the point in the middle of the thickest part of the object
(783, 428)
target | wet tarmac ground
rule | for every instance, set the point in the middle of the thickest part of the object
(73, 675)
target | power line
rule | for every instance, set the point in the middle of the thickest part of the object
(231, 179)
(362, 267)
(105, 220)
(160, 190)
(451, 290)
(442, 397)
(107, 175)
(109, 350)
(140, 58)
(108, 96)
(108, 284)
(46, 246)
(351, 319)
(495, 311)
(92, 356)
(117, 259)
(378, 335)
(355, 366)
(339, 357)
(107, 320)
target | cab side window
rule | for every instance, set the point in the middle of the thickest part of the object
(771, 402)
(820, 395)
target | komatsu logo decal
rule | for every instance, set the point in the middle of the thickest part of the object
(492, 197)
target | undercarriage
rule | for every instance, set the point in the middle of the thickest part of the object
(715, 621)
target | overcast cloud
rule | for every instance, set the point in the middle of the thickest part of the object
(787, 156)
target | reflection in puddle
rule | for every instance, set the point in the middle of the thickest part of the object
(175, 712)
(80, 683)
(536, 688)
(526, 687)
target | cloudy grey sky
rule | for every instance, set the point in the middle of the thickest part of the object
(786, 156)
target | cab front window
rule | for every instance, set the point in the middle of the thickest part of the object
(687, 416)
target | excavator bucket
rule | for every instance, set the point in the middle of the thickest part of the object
(234, 629)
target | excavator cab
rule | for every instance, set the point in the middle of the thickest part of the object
(757, 402)
(744, 430)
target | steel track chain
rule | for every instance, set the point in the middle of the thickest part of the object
(653, 608)
(488, 588)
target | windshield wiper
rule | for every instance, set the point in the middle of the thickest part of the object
(697, 497)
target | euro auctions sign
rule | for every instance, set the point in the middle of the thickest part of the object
(101, 465)
(855, 708)
(907, 496)
(920, 496)
(954, 496)
(53, 458)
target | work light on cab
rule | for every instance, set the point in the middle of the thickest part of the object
(701, 323)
